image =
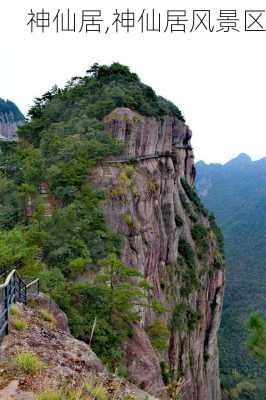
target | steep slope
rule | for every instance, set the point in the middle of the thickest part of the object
(236, 193)
(10, 118)
(127, 250)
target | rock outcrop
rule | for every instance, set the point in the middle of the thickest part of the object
(10, 118)
(67, 363)
(8, 127)
(45, 302)
(169, 239)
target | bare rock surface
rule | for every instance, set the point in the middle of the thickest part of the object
(64, 359)
(8, 126)
(12, 392)
(45, 302)
(142, 362)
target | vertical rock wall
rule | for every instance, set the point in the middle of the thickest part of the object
(8, 126)
(168, 238)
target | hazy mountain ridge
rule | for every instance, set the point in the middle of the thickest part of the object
(236, 193)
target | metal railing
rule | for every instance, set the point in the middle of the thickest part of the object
(32, 288)
(14, 289)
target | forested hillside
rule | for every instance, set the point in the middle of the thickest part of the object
(236, 193)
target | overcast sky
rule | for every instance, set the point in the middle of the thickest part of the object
(217, 79)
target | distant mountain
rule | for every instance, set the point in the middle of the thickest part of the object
(239, 162)
(236, 193)
(10, 118)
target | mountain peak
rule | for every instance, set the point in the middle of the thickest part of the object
(243, 156)
(8, 107)
(240, 161)
(10, 118)
(201, 163)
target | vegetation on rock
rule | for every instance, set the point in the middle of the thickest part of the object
(18, 324)
(28, 363)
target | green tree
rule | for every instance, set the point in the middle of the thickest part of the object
(257, 339)
(103, 309)
(15, 249)
(10, 205)
(124, 287)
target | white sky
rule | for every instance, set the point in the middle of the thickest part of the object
(218, 80)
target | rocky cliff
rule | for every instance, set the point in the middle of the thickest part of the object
(10, 118)
(160, 332)
(39, 359)
(171, 239)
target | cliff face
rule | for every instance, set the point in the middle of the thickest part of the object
(10, 118)
(8, 126)
(168, 238)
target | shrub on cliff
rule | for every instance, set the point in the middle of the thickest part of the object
(193, 197)
(159, 335)
(184, 318)
(200, 235)
(187, 252)
(217, 231)
(187, 264)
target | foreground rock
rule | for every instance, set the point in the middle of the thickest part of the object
(64, 359)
